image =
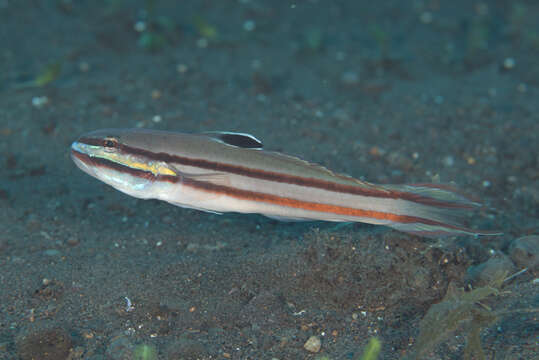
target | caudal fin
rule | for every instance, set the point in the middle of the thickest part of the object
(433, 210)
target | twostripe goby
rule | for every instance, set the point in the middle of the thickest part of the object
(230, 172)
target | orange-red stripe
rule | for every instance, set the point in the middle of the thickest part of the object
(307, 205)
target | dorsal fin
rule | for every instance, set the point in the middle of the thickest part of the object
(240, 140)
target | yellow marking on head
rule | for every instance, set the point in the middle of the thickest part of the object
(157, 168)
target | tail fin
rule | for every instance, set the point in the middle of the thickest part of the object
(433, 210)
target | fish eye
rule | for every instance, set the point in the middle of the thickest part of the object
(110, 143)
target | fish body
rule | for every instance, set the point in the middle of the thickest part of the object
(231, 172)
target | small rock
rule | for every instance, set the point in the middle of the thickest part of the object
(509, 63)
(313, 344)
(448, 161)
(249, 25)
(40, 101)
(524, 252)
(181, 68)
(72, 241)
(84, 66)
(350, 78)
(51, 252)
(489, 271)
(426, 17)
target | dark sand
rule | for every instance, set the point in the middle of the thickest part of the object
(397, 92)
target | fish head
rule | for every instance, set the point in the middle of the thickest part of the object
(120, 158)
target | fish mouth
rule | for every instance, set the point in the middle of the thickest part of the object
(81, 159)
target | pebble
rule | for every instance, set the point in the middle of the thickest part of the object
(140, 26)
(491, 270)
(350, 78)
(509, 63)
(40, 101)
(51, 252)
(249, 25)
(313, 344)
(524, 252)
(448, 161)
(84, 66)
(181, 68)
(256, 64)
(156, 94)
(426, 17)
(202, 43)
(73, 241)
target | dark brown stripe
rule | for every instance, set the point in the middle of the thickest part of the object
(280, 177)
(262, 197)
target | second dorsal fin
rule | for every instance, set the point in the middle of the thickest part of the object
(240, 140)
